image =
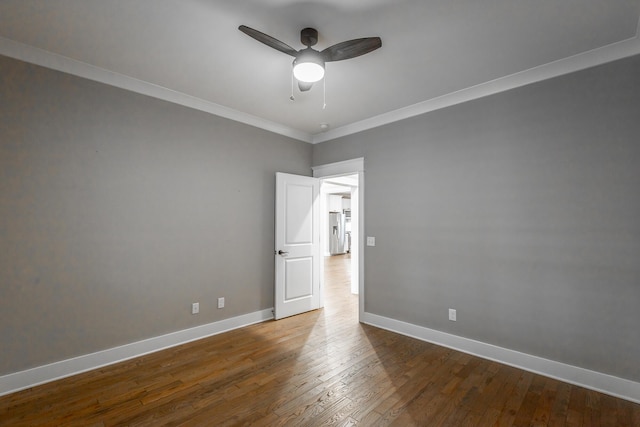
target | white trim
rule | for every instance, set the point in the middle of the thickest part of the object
(361, 245)
(347, 167)
(591, 58)
(608, 384)
(43, 374)
(350, 167)
(68, 65)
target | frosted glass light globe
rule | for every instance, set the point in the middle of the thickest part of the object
(308, 72)
(308, 67)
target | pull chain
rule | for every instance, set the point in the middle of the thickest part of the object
(324, 92)
(292, 98)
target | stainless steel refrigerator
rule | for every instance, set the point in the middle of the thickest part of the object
(336, 233)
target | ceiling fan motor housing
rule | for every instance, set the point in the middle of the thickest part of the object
(309, 36)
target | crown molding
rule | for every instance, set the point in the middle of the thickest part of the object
(68, 65)
(591, 58)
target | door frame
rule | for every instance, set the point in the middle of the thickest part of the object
(332, 170)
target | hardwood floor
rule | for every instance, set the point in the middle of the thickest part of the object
(319, 368)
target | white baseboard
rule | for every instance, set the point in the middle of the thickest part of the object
(608, 384)
(42, 374)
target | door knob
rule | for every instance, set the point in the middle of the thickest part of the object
(281, 252)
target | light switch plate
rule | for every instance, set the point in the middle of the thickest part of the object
(371, 241)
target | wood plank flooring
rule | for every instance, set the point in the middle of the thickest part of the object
(319, 368)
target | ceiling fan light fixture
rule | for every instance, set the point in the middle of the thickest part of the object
(308, 66)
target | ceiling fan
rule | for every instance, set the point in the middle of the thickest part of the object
(308, 65)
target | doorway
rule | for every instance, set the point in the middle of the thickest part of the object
(339, 211)
(342, 192)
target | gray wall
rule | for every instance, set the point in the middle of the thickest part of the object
(117, 211)
(521, 210)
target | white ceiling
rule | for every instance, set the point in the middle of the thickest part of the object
(434, 52)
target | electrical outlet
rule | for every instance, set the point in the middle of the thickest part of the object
(221, 302)
(195, 308)
(371, 241)
(452, 314)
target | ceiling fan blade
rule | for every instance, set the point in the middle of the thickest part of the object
(304, 86)
(268, 40)
(351, 49)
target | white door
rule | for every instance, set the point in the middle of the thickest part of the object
(297, 251)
